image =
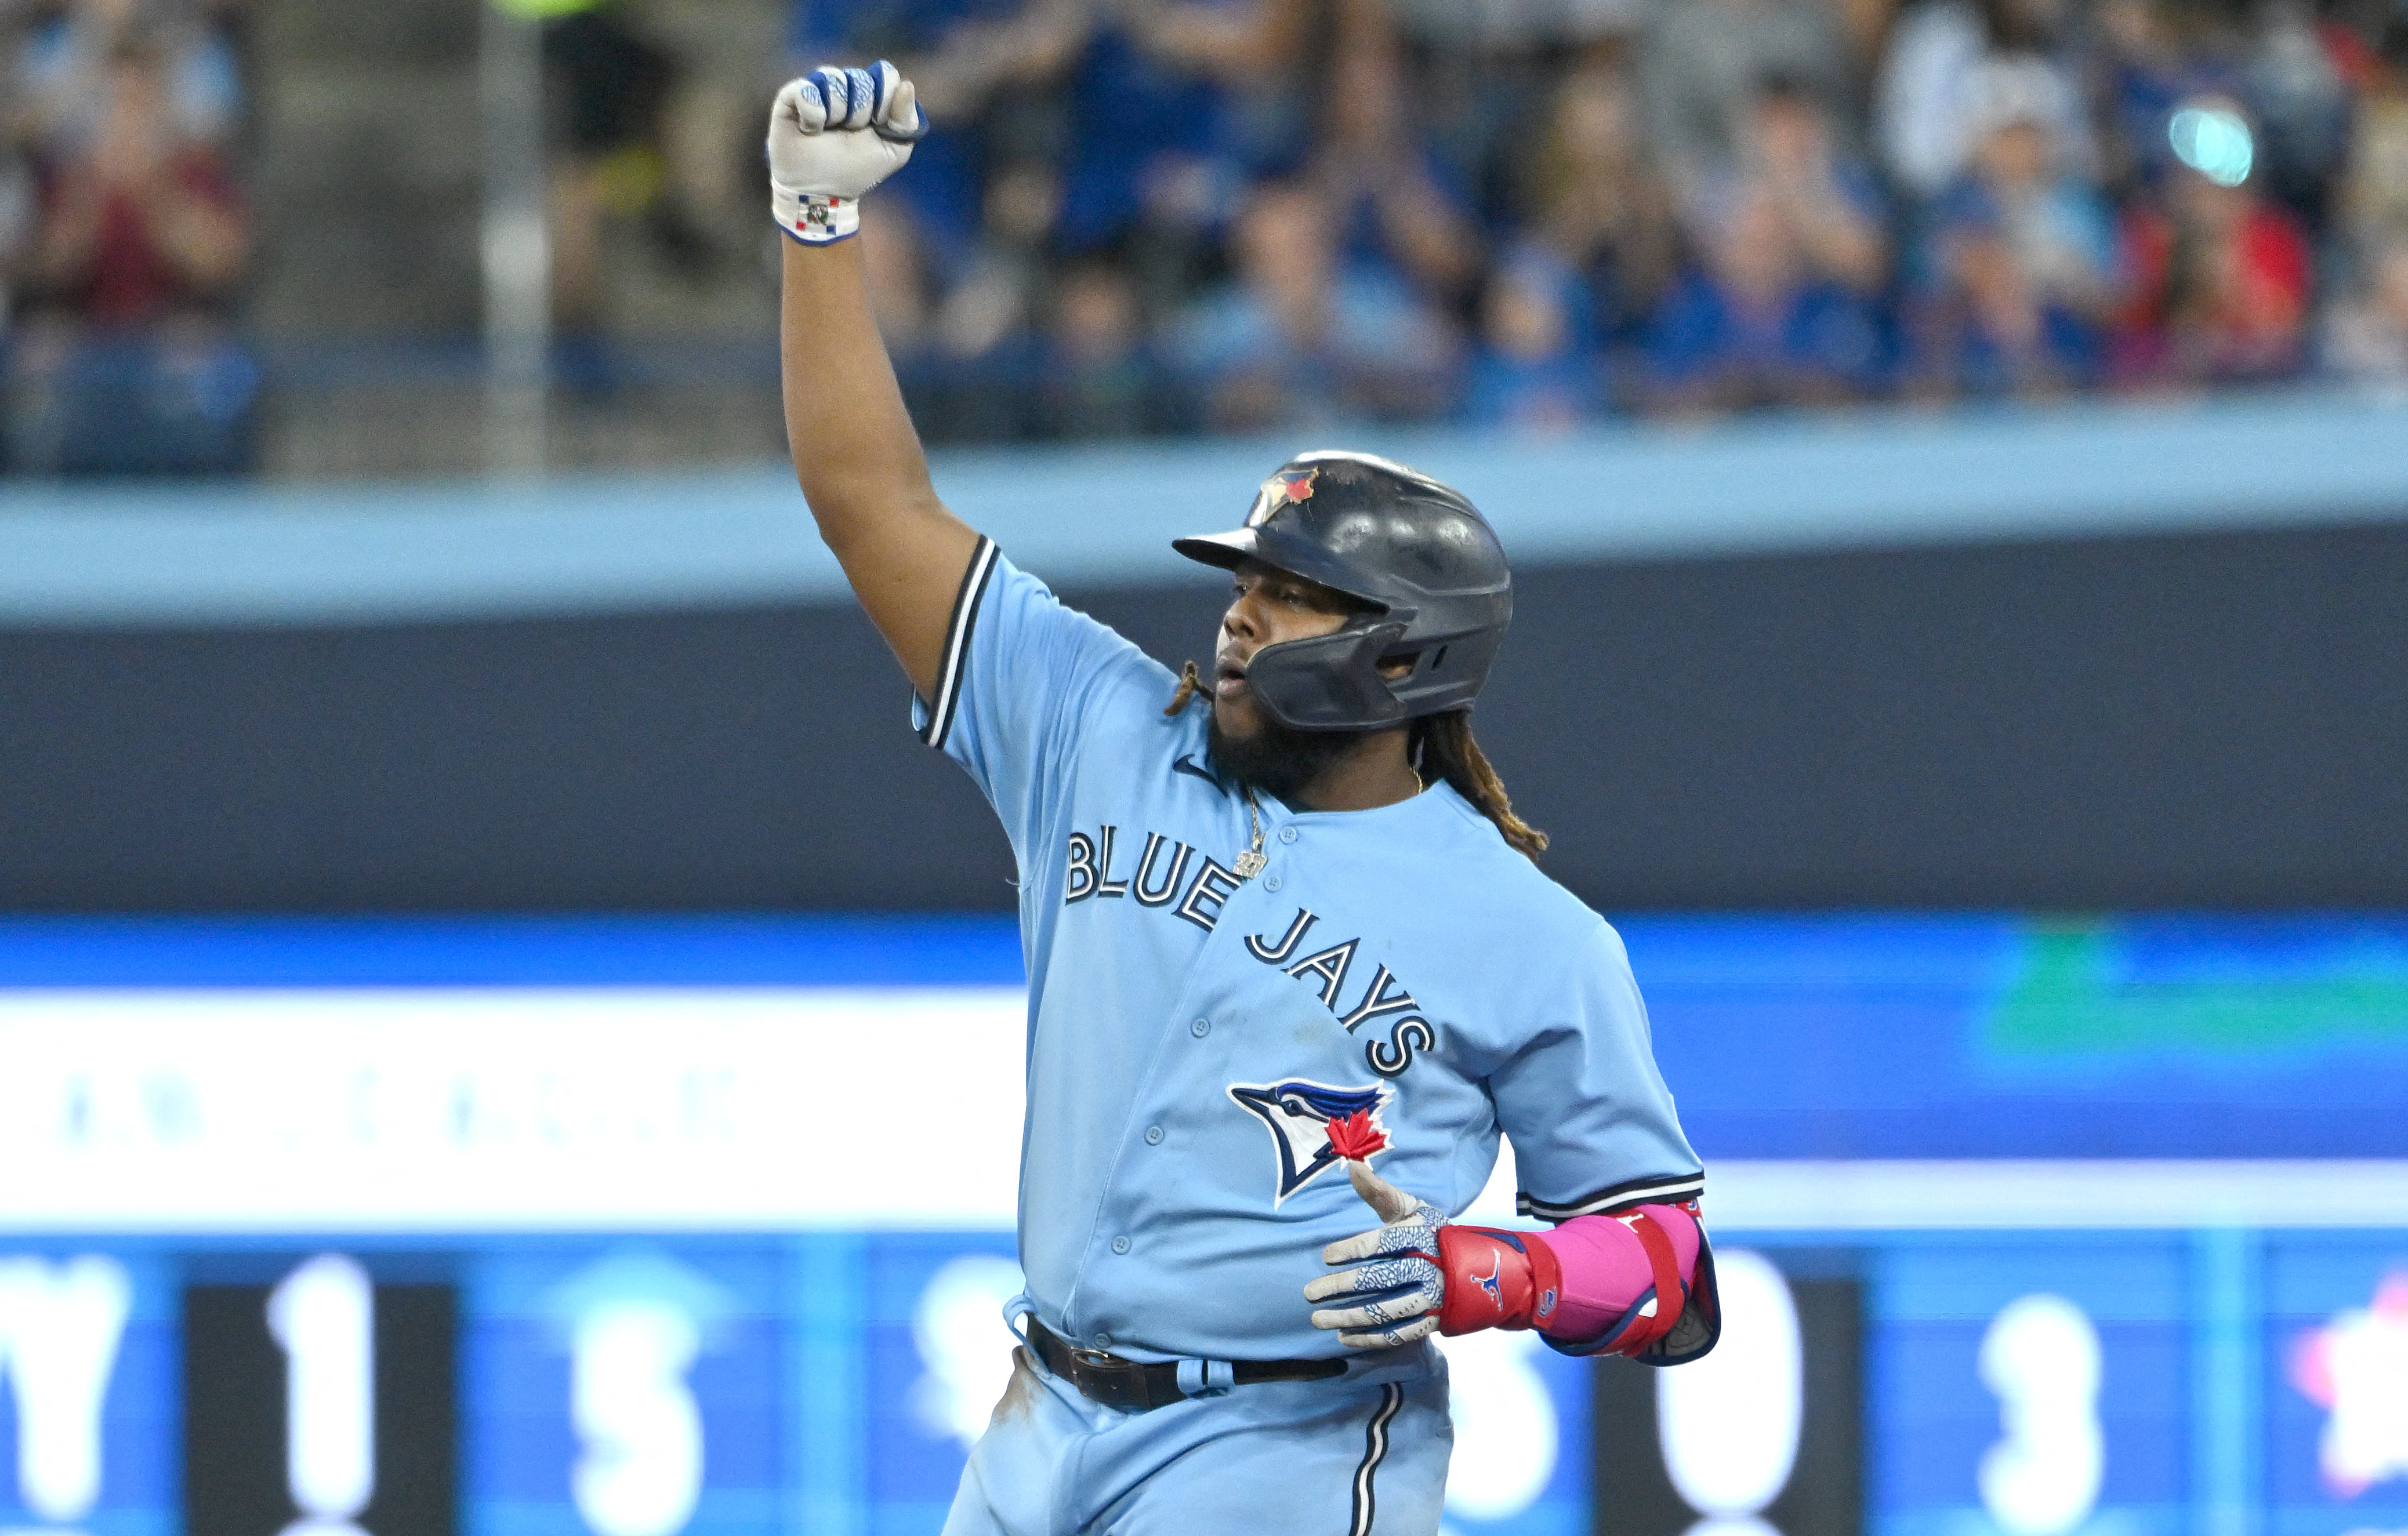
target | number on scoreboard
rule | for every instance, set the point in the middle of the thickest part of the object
(323, 1402)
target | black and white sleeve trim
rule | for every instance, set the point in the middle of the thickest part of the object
(1654, 1190)
(947, 696)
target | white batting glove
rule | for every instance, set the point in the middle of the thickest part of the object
(1394, 1300)
(835, 133)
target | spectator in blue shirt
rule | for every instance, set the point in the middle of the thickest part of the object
(1166, 92)
(1392, 206)
(1305, 337)
(1782, 308)
(1535, 370)
(2019, 271)
(1099, 378)
(1591, 195)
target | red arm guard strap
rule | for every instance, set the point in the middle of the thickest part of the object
(1670, 1297)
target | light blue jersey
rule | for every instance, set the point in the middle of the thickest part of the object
(1192, 1032)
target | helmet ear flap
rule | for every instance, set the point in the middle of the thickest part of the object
(1447, 672)
(1334, 682)
(1329, 682)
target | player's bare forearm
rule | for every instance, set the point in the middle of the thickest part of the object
(859, 461)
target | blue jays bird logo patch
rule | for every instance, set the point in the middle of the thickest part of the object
(1298, 1113)
(1284, 488)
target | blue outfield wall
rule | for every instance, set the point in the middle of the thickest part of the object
(1103, 516)
(2103, 656)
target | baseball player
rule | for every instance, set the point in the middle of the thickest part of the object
(1288, 956)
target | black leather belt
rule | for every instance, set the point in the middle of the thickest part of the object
(1140, 1388)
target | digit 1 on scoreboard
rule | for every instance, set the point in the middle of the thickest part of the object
(323, 1317)
(325, 1403)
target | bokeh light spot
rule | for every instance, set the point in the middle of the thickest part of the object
(2214, 142)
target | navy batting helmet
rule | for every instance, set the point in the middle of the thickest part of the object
(1415, 552)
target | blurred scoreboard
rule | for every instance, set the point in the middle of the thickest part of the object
(636, 1227)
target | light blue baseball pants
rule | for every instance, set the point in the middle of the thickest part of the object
(1362, 1455)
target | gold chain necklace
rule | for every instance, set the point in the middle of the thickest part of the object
(1250, 862)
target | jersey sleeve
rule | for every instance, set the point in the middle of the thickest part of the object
(1592, 1125)
(1024, 680)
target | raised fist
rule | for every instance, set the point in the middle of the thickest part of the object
(835, 133)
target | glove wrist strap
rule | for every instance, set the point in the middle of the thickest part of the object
(1496, 1279)
(814, 218)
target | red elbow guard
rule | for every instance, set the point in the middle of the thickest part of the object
(1496, 1279)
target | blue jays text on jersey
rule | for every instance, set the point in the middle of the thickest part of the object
(1088, 874)
(1191, 1032)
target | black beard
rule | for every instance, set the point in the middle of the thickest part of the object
(1279, 760)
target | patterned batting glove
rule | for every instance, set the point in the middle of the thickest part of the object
(835, 133)
(1394, 1300)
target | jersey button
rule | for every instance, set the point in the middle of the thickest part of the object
(1154, 1136)
(1272, 883)
(1201, 1028)
(1103, 1341)
(1287, 835)
(1120, 1245)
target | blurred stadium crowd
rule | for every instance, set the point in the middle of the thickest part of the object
(1174, 215)
(1170, 216)
(123, 236)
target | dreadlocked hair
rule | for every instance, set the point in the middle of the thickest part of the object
(1442, 748)
(1191, 682)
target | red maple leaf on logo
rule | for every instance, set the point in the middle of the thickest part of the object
(1299, 483)
(1356, 1137)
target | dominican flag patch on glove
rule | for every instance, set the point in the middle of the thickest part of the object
(818, 220)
